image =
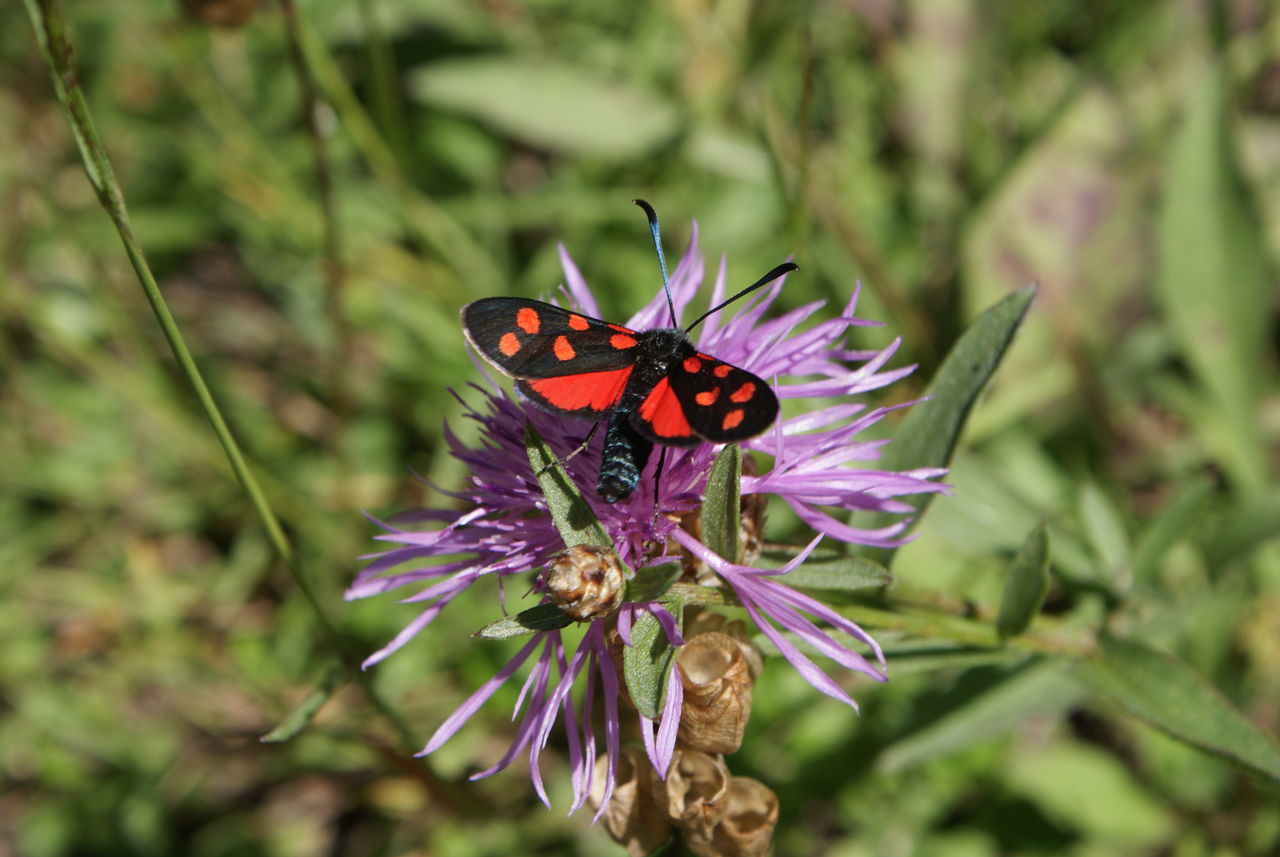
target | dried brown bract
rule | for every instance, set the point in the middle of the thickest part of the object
(717, 693)
(634, 818)
(749, 813)
(695, 791)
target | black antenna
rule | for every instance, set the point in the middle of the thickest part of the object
(784, 268)
(662, 261)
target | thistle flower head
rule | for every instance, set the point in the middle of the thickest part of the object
(498, 524)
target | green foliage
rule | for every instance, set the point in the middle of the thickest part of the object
(1120, 155)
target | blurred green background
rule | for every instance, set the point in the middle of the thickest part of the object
(1124, 155)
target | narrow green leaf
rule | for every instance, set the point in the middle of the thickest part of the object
(572, 515)
(652, 582)
(1026, 585)
(1106, 532)
(722, 504)
(645, 664)
(1037, 690)
(1237, 533)
(543, 617)
(1214, 275)
(928, 435)
(1174, 522)
(1171, 696)
(838, 574)
(572, 109)
(302, 715)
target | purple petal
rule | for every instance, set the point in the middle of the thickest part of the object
(464, 711)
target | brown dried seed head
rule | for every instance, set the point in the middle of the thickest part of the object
(717, 684)
(700, 620)
(584, 581)
(695, 790)
(749, 815)
(634, 817)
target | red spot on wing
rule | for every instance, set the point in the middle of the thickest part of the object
(732, 419)
(597, 391)
(708, 398)
(722, 370)
(562, 349)
(620, 328)
(743, 393)
(509, 344)
(692, 364)
(577, 322)
(661, 410)
(528, 321)
(622, 341)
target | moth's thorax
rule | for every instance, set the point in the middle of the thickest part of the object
(657, 350)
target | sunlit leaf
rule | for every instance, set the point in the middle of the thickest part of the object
(645, 664)
(543, 617)
(929, 434)
(1214, 280)
(722, 503)
(573, 517)
(1171, 696)
(550, 105)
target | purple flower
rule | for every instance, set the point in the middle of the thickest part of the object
(501, 533)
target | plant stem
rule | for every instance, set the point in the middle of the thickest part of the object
(51, 33)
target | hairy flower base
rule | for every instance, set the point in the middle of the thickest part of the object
(504, 530)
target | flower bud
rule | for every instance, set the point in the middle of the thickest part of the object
(584, 581)
(694, 791)
(717, 693)
(749, 813)
(633, 817)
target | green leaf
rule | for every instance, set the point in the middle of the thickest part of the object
(1171, 696)
(301, 716)
(1214, 276)
(572, 515)
(645, 663)
(543, 617)
(652, 582)
(550, 105)
(1037, 690)
(1174, 522)
(928, 435)
(1106, 533)
(838, 574)
(1237, 533)
(1092, 792)
(1026, 585)
(722, 504)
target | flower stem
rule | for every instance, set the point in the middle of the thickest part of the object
(55, 45)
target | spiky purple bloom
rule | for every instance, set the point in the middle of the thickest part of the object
(496, 536)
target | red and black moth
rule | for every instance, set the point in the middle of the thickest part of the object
(652, 386)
